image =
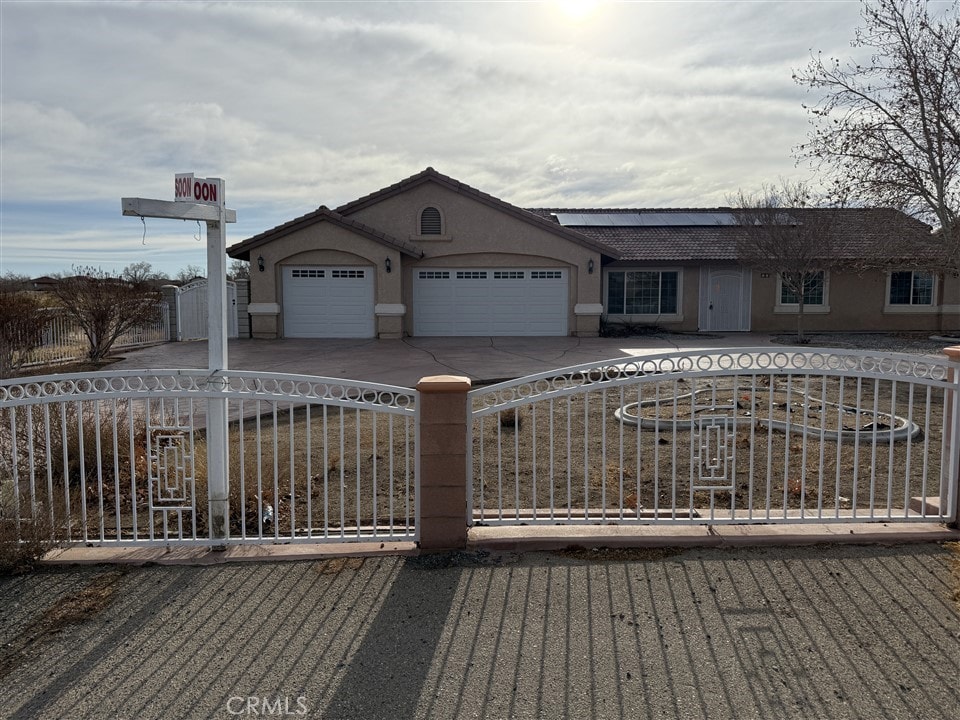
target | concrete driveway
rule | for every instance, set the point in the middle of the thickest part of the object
(404, 362)
(816, 632)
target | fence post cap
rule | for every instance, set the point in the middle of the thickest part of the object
(952, 352)
(444, 383)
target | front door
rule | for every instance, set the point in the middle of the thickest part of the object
(725, 299)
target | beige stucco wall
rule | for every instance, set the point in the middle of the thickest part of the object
(856, 303)
(480, 236)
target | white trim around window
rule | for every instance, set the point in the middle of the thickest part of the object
(912, 307)
(821, 308)
(674, 288)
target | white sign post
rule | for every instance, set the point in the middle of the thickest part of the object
(203, 199)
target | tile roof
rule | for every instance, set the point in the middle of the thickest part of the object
(431, 175)
(242, 249)
(866, 228)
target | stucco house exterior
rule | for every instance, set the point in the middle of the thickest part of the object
(431, 256)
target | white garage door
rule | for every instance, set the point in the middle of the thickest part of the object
(520, 301)
(334, 302)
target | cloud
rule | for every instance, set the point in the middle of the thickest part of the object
(301, 104)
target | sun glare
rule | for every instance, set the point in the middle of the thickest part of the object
(577, 9)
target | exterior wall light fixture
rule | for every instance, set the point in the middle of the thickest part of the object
(388, 265)
(590, 266)
(260, 263)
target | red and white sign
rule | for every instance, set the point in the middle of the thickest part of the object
(206, 191)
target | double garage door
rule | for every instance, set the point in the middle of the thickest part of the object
(468, 301)
(338, 302)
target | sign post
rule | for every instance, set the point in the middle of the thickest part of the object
(203, 199)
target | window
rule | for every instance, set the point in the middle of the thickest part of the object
(814, 289)
(911, 288)
(643, 292)
(431, 222)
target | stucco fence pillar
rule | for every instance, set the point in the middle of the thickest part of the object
(952, 487)
(442, 496)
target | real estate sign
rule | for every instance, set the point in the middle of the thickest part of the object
(206, 191)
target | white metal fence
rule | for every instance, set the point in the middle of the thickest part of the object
(738, 436)
(120, 458)
(63, 340)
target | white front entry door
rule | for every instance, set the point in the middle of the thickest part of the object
(725, 299)
(471, 301)
(334, 302)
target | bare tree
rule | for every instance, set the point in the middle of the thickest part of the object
(139, 272)
(188, 273)
(887, 131)
(22, 321)
(786, 230)
(239, 270)
(105, 307)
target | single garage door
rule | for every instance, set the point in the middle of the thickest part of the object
(334, 302)
(520, 301)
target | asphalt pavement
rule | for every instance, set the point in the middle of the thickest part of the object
(808, 632)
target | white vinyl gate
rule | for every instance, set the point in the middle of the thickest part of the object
(192, 311)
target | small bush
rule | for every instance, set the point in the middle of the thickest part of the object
(21, 547)
(626, 328)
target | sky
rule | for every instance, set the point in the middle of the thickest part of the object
(302, 104)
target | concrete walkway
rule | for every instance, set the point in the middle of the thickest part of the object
(404, 362)
(788, 633)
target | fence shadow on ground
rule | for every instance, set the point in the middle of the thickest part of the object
(785, 632)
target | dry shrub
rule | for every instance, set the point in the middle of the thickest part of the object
(21, 547)
(510, 418)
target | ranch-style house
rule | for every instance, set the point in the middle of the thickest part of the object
(431, 256)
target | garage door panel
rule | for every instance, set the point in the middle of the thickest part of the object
(328, 302)
(471, 302)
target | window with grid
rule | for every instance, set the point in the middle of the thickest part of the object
(431, 222)
(911, 287)
(813, 288)
(643, 292)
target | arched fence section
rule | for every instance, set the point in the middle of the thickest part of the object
(745, 436)
(120, 458)
(734, 436)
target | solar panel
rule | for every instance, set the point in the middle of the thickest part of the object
(647, 219)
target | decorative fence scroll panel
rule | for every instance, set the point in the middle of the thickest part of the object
(741, 436)
(120, 458)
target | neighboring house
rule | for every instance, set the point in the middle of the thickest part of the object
(430, 256)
